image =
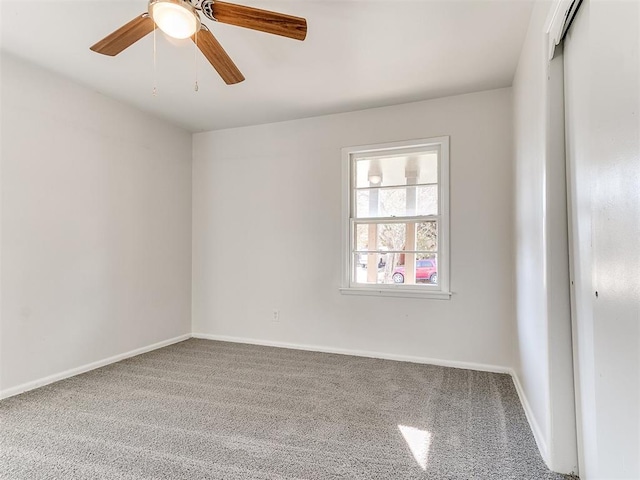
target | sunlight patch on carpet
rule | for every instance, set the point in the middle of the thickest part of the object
(419, 442)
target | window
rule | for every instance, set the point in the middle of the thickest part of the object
(396, 211)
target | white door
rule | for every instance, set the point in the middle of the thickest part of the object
(602, 112)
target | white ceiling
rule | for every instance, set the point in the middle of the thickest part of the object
(358, 54)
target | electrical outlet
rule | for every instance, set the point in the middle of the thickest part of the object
(275, 317)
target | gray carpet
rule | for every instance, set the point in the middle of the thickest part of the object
(213, 410)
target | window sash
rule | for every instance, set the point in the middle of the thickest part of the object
(382, 153)
(353, 251)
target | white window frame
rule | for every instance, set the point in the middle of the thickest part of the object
(349, 155)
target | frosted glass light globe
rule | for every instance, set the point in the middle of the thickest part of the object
(175, 18)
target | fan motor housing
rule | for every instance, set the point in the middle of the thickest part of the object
(206, 6)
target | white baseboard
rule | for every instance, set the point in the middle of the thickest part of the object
(535, 428)
(358, 353)
(10, 392)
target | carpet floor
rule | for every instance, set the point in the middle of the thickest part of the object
(202, 409)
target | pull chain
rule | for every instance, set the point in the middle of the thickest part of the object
(154, 92)
(195, 61)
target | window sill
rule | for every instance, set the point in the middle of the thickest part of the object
(395, 293)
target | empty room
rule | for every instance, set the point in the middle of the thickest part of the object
(319, 239)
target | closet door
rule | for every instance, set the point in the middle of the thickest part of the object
(602, 112)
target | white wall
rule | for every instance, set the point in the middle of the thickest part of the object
(96, 227)
(543, 364)
(267, 234)
(602, 68)
(529, 138)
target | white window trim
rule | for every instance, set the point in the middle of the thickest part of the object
(442, 290)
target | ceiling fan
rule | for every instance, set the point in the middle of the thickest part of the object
(180, 19)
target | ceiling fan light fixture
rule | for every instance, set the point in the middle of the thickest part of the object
(181, 19)
(176, 18)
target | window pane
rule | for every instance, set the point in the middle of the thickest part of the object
(414, 168)
(369, 268)
(382, 236)
(421, 236)
(427, 236)
(390, 268)
(425, 270)
(397, 202)
(427, 200)
(363, 205)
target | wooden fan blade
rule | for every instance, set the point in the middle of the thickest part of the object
(125, 36)
(263, 20)
(216, 55)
